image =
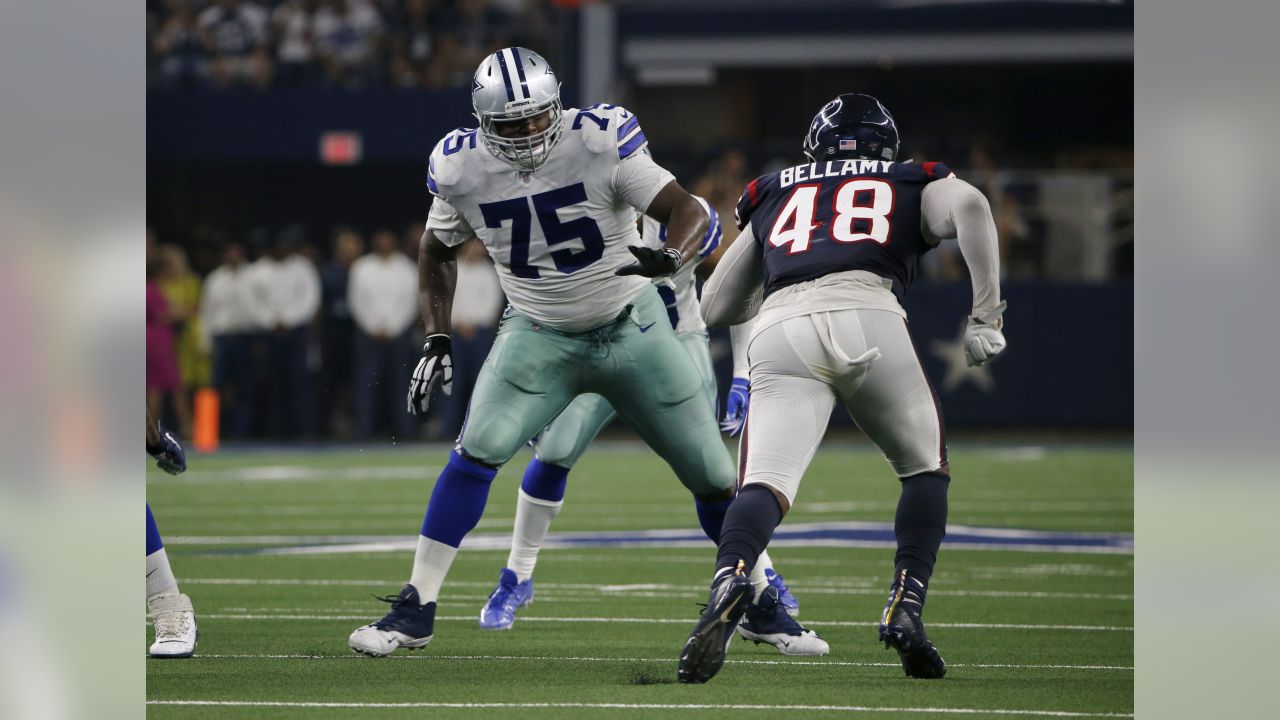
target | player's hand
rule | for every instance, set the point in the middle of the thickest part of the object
(433, 370)
(983, 339)
(168, 454)
(652, 263)
(735, 407)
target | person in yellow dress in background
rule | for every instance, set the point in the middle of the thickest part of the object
(181, 289)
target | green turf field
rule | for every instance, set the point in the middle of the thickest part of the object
(1025, 633)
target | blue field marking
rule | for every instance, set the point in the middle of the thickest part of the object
(834, 534)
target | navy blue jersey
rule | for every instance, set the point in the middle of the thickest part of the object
(812, 220)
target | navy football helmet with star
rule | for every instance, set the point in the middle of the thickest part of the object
(852, 126)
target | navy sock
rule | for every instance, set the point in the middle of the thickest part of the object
(748, 527)
(711, 516)
(458, 500)
(920, 524)
(544, 481)
(154, 542)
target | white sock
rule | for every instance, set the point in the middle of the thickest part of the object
(758, 580)
(430, 564)
(160, 579)
(533, 519)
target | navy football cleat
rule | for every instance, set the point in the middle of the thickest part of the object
(499, 611)
(902, 629)
(704, 652)
(788, 600)
(767, 621)
(406, 625)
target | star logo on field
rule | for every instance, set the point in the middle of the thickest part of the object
(958, 371)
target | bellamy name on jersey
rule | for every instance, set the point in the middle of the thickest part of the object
(816, 219)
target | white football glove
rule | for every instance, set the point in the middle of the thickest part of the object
(434, 369)
(982, 337)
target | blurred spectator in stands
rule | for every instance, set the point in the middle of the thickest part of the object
(383, 296)
(413, 40)
(234, 33)
(177, 51)
(337, 332)
(530, 21)
(285, 287)
(229, 322)
(475, 29)
(349, 42)
(163, 378)
(411, 239)
(293, 33)
(475, 322)
(723, 183)
(181, 289)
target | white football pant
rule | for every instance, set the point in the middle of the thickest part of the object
(801, 366)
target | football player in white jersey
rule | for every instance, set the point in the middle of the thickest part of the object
(558, 447)
(553, 195)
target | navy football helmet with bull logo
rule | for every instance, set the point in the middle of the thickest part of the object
(852, 126)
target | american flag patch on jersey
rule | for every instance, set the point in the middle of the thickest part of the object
(848, 144)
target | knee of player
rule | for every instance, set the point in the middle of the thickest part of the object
(712, 476)
(493, 442)
(558, 446)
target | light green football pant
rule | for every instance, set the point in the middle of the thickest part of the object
(569, 435)
(635, 364)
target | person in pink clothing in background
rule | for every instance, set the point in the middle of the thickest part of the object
(163, 377)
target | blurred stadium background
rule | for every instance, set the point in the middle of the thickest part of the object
(302, 127)
(299, 130)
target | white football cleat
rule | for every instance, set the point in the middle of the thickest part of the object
(767, 621)
(175, 623)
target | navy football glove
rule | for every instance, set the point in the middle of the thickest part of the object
(435, 369)
(652, 263)
(735, 411)
(168, 454)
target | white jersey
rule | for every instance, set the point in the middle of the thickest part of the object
(680, 291)
(556, 234)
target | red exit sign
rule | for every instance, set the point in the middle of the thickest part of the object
(341, 147)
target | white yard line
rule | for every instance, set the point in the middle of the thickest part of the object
(542, 658)
(299, 473)
(679, 621)
(642, 706)
(668, 590)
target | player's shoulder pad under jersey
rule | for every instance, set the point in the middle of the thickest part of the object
(608, 128)
(752, 196)
(446, 168)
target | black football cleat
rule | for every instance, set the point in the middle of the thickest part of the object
(902, 629)
(407, 625)
(704, 651)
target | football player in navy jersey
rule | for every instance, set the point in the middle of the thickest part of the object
(825, 253)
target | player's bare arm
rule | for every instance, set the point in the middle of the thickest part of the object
(153, 431)
(684, 217)
(437, 280)
(687, 224)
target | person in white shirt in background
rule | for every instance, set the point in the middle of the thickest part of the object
(382, 293)
(475, 324)
(285, 290)
(228, 321)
